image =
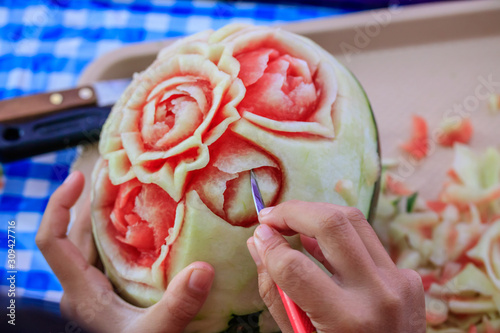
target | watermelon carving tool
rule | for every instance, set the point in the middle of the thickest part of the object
(298, 318)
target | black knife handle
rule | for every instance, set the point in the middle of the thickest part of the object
(52, 132)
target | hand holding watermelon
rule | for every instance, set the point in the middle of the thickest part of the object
(89, 298)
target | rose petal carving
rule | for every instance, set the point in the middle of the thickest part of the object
(135, 236)
(224, 184)
(175, 110)
(290, 82)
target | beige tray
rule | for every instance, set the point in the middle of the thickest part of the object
(422, 59)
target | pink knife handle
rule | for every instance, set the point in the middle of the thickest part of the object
(299, 319)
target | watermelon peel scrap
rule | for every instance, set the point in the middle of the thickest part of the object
(452, 242)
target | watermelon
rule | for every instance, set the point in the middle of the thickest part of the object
(172, 184)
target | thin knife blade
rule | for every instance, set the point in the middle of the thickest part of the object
(257, 196)
(108, 92)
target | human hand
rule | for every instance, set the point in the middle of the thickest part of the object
(366, 291)
(88, 297)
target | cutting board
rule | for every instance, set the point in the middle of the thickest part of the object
(435, 60)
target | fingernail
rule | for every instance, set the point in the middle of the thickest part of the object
(253, 251)
(264, 232)
(199, 280)
(68, 179)
(265, 211)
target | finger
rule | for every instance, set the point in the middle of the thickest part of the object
(81, 233)
(61, 254)
(368, 237)
(268, 291)
(337, 238)
(415, 287)
(366, 234)
(311, 246)
(183, 299)
(88, 295)
(305, 283)
(96, 307)
(416, 311)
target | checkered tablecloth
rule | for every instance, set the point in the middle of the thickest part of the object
(44, 45)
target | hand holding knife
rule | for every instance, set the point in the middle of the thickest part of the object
(298, 318)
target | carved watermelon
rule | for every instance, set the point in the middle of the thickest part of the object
(172, 186)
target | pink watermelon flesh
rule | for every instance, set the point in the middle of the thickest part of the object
(176, 117)
(226, 177)
(279, 87)
(142, 216)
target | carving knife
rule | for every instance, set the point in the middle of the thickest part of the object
(298, 318)
(40, 123)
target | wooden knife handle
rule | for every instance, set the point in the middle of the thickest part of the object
(39, 104)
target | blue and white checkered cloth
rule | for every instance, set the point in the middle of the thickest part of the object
(44, 45)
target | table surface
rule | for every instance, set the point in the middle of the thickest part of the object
(44, 45)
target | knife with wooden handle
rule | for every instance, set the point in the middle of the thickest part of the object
(43, 123)
(103, 93)
(51, 132)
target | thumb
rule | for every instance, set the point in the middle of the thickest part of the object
(181, 302)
